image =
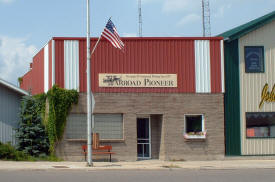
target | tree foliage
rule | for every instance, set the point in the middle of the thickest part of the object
(43, 120)
(31, 135)
(60, 101)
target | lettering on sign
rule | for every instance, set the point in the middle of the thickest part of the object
(137, 80)
(267, 96)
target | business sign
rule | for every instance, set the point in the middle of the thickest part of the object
(254, 59)
(137, 80)
(267, 96)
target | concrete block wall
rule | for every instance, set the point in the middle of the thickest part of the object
(167, 110)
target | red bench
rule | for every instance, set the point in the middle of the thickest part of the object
(106, 149)
(97, 149)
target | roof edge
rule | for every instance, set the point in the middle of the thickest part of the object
(145, 38)
(13, 87)
(248, 27)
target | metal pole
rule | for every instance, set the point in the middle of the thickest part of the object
(89, 102)
(96, 45)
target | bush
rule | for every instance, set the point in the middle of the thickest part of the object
(8, 152)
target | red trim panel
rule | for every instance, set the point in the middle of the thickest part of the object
(59, 63)
(215, 62)
(50, 64)
(82, 66)
(144, 38)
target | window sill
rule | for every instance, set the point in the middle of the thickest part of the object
(112, 140)
(195, 137)
(102, 141)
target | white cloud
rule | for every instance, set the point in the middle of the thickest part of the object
(129, 35)
(6, 1)
(189, 19)
(15, 56)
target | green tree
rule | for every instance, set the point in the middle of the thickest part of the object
(31, 135)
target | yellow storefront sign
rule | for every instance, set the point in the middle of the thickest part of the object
(267, 96)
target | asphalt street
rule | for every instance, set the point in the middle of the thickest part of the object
(166, 175)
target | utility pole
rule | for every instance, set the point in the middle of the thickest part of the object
(206, 26)
(139, 19)
(89, 101)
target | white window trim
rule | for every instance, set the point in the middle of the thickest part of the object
(186, 136)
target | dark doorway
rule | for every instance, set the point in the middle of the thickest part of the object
(143, 138)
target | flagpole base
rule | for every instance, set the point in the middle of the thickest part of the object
(89, 165)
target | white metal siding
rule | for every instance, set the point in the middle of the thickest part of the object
(71, 61)
(222, 66)
(46, 68)
(53, 62)
(202, 66)
(251, 85)
(9, 113)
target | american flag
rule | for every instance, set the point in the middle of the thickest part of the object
(111, 34)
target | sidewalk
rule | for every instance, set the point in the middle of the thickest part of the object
(149, 164)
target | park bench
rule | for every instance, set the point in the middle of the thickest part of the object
(98, 149)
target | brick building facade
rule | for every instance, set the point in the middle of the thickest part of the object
(166, 112)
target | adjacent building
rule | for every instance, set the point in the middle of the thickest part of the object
(160, 98)
(10, 98)
(250, 87)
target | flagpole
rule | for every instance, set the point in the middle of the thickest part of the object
(98, 41)
(89, 102)
(95, 45)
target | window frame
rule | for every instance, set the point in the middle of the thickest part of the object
(255, 137)
(112, 140)
(185, 134)
(101, 140)
(263, 56)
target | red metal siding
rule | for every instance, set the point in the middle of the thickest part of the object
(215, 61)
(59, 63)
(82, 66)
(27, 81)
(147, 56)
(50, 64)
(142, 55)
(38, 73)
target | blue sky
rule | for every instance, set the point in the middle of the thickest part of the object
(26, 25)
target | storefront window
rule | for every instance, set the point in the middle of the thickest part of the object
(260, 124)
(109, 126)
(194, 126)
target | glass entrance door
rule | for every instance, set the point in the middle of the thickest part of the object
(143, 138)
